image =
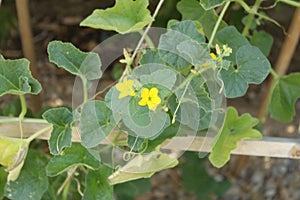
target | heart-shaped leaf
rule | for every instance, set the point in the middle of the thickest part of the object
(67, 56)
(252, 67)
(125, 17)
(235, 128)
(61, 135)
(72, 156)
(16, 78)
(96, 123)
(284, 95)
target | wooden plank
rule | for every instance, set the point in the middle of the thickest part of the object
(268, 146)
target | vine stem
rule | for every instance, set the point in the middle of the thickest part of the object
(290, 2)
(148, 40)
(147, 29)
(218, 23)
(180, 100)
(23, 107)
(23, 113)
(39, 133)
(251, 17)
(274, 74)
(67, 181)
(144, 36)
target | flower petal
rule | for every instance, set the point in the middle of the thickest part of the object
(151, 105)
(145, 93)
(143, 102)
(132, 93)
(153, 92)
(156, 100)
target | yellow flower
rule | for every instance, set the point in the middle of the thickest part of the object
(125, 88)
(150, 98)
(213, 56)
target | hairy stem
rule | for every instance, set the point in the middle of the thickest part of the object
(290, 2)
(65, 184)
(39, 133)
(274, 74)
(23, 107)
(251, 17)
(128, 66)
(218, 24)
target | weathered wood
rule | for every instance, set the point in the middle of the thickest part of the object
(268, 146)
(28, 46)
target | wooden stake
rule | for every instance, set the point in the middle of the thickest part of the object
(28, 46)
(268, 146)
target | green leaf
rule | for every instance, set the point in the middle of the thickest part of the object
(61, 135)
(125, 17)
(283, 98)
(208, 21)
(97, 186)
(196, 179)
(150, 56)
(252, 68)
(234, 129)
(3, 176)
(136, 143)
(72, 156)
(96, 122)
(194, 53)
(165, 78)
(16, 78)
(131, 189)
(263, 41)
(233, 38)
(167, 133)
(143, 122)
(190, 9)
(195, 106)
(32, 182)
(209, 4)
(67, 56)
(168, 42)
(142, 166)
(204, 101)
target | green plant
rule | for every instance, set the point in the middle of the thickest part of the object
(176, 90)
